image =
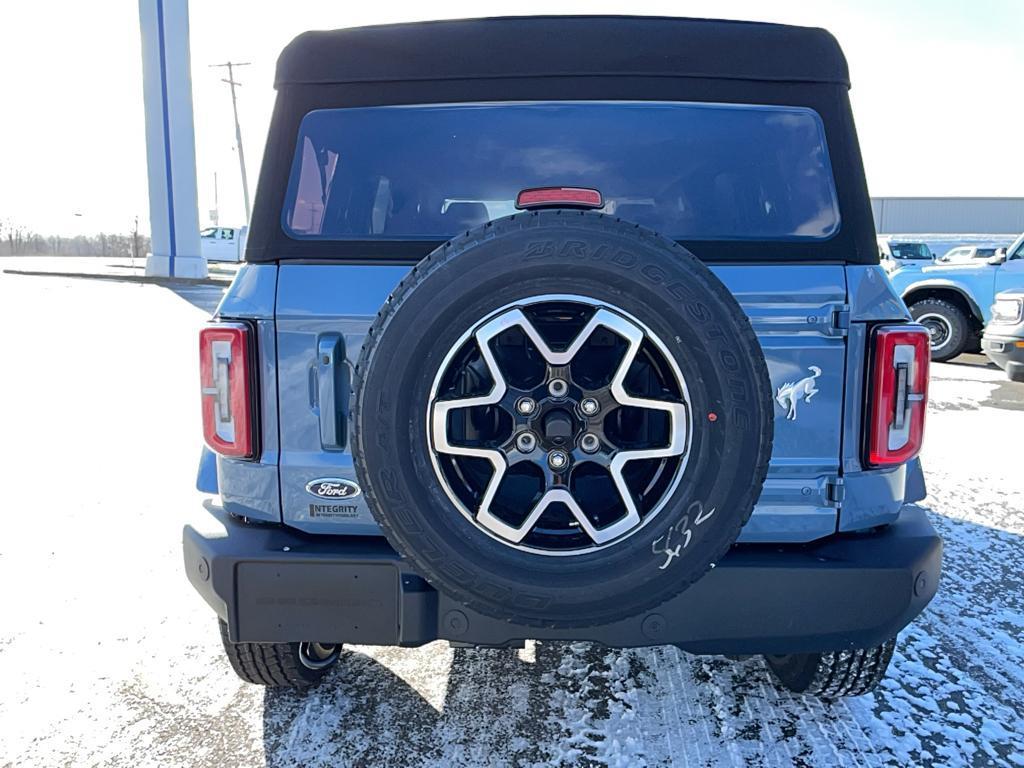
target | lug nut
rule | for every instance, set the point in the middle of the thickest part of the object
(558, 387)
(526, 406)
(590, 442)
(526, 442)
(589, 406)
(558, 460)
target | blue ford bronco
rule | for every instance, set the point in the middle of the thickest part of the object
(564, 328)
(954, 301)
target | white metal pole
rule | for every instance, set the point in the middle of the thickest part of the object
(170, 140)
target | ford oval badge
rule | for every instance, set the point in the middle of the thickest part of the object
(332, 488)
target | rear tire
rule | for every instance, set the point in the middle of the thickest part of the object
(949, 328)
(279, 665)
(832, 675)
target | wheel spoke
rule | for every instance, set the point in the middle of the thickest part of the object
(677, 412)
(441, 408)
(601, 318)
(555, 495)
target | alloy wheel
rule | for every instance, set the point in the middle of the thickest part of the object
(559, 425)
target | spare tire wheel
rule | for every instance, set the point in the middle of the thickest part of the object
(562, 419)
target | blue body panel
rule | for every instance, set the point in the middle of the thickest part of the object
(251, 488)
(315, 301)
(872, 297)
(206, 475)
(252, 293)
(804, 316)
(797, 328)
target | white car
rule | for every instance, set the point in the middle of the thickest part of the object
(223, 243)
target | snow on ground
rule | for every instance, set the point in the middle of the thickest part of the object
(107, 657)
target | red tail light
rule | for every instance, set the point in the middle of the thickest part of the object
(899, 394)
(225, 373)
(548, 197)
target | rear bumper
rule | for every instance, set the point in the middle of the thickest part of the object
(275, 584)
(1005, 352)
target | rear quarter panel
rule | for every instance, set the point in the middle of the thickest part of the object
(251, 489)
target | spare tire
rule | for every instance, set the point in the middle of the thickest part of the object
(561, 419)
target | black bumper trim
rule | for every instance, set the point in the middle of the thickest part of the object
(1004, 352)
(276, 584)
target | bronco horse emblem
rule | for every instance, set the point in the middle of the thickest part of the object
(792, 391)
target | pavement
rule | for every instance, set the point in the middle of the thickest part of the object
(107, 657)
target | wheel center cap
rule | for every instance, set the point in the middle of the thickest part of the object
(558, 426)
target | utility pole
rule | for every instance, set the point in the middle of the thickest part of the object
(215, 213)
(135, 240)
(238, 129)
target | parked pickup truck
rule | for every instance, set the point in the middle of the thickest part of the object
(564, 328)
(953, 301)
(223, 243)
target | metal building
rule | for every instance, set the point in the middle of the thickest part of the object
(948, 215)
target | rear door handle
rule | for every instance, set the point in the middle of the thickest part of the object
(332, 383)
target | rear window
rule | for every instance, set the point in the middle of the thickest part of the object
(690, 171)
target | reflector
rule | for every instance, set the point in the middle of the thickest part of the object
(225, 379)
(559, 197)
(899, 394)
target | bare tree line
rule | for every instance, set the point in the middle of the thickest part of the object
(16, 240)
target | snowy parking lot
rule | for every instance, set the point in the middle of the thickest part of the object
(108, 657)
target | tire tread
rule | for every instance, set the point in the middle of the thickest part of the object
(959, 324)
(275, 665)
(841, 673)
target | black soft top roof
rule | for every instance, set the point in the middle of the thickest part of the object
(552, 58)
(541, 46)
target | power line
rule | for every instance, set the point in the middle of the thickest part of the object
(238, 129)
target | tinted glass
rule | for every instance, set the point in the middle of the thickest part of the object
(690, 171)
(910, 251)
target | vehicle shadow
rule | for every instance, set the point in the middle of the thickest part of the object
(493, 703)
(972, 360)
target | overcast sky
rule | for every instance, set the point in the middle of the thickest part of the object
(938, 92)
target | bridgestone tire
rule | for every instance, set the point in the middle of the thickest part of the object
(959, 329)
(832, 675)
(660, 284)
(275, 665)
